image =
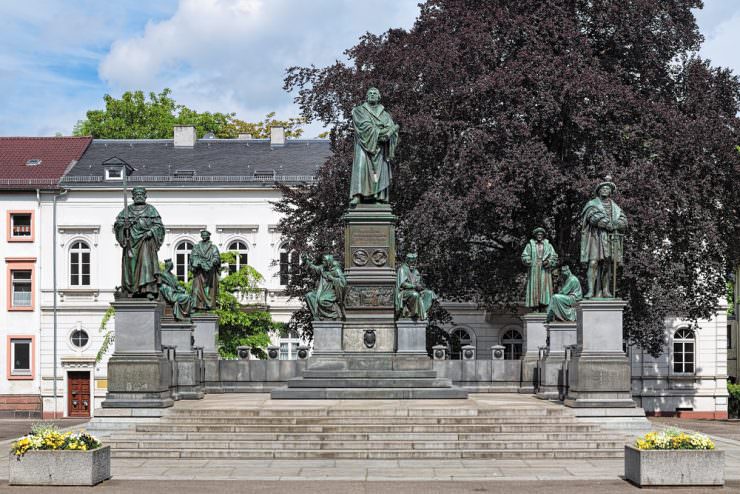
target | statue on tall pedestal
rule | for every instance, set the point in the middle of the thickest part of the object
(205, 264)
(540, 256)
(602, 227)
(376, 138)
(563, 304)
(413, 299)
(326, 302)
(140, 232)
(174, 294)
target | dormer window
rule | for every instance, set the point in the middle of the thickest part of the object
(185, 173)
(264, 174)
(33, 162)
(113, 174)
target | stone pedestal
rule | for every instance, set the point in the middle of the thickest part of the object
(180, 335)
(370, 260)
(327, 338)
(599, 372)
(533, 325)
(552, 378)
(139, 374)
(412, 337)
(206, 335)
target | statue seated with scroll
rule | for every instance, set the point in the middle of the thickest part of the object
(413, 299)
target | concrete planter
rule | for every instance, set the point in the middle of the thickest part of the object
(67, 467)
(650, 467)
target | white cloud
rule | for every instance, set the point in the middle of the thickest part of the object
(231, 55)
(721, 44)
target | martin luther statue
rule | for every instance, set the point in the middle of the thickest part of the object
(376, 138)
(140, 232)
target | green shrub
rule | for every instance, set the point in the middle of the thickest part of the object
(733, 406)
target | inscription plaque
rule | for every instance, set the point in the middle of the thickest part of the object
(369, 236)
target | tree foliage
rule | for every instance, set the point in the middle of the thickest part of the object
(510, 114)
(134, 117)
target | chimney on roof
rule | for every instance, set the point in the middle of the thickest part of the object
(185, 136)
(244, 137)
(277, 136)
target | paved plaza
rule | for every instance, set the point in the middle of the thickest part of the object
(428, 475)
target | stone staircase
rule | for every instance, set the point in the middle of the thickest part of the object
(355, 432)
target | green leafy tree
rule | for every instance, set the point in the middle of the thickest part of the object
(134, 116)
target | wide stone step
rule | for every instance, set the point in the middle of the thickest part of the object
(387, 383)
(367, 445)
(370, 454)
(369, 420)
(371, 436)
(369, 374)
(363, 428)
(367, 393)
(390, 411)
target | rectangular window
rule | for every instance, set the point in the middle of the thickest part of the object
(113, 174)
(21, 288)
(20, 226)
(20, 356)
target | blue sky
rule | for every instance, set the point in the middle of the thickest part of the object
(58, 58)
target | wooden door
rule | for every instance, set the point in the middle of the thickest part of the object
(78, 395)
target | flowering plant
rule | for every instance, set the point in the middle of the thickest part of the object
(48, 437)
(673, 438)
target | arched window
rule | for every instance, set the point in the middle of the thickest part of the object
(240, 248)
(459, 337)
(683, 351)
(512, 343)
(79, 264)
(288, 263)
(182, 260)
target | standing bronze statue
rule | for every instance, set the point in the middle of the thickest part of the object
(376, 138)
(563, 304)
(326, 302)
(174, 294)
(602, 227)
(205, 264)
(140, 232)
(413, 299)
(540, 256)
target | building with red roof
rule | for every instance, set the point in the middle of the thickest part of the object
(30, 172)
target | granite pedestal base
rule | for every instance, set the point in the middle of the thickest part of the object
(535, 336)
(412, 337)
(206, 336)
(179, 334)
(552, 376)
(599, 372)
(139, 374)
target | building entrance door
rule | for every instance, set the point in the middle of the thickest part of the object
(78, 394)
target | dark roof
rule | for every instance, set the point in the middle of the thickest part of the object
(222, 162)
(52, 155)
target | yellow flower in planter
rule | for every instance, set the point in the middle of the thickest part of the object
(672, 438)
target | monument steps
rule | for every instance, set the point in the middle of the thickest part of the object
(387, 431)
(343, 382)
(292, 392)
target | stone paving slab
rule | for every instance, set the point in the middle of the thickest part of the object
(116, 486)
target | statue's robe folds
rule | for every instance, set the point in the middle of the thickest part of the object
(597, 243)
(140, 232)
(539, 280)
(412, 302)
(325, 302)
(175, 295)
(205, 264)
(563, 304)
(371, 169)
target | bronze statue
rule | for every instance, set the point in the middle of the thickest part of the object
(140, 232)
(174, 294)
(326, 302)
(563, 304)
(205, 264)
(376, 138)
(602, 227)
(540, 256)
(413, 299)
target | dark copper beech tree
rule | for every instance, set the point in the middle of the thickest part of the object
(510, 113)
